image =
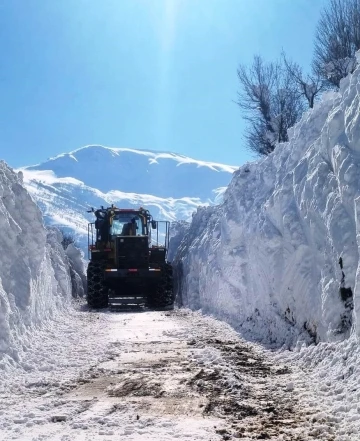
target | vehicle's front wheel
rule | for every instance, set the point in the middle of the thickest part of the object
(97, 291)
(163, 294)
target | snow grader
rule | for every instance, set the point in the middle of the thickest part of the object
(127, 262)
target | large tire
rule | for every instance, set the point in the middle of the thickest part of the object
(97, 292)
(163, 293)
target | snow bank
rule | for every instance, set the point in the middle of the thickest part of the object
(35, 279)
(332, 372)
(77, 270)
(178, 230)
(279, 258)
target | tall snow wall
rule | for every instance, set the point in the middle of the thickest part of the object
(35, 272)
(279, 258)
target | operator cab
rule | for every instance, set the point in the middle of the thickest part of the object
(113, 222)
(128, 224)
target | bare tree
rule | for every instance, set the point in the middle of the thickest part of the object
(308, 86)
(336, 41)
(270, 104)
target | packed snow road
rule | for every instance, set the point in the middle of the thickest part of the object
(151, 376)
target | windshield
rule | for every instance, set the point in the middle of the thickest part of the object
(126, 224)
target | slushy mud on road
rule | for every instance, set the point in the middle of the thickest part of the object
(165, 376)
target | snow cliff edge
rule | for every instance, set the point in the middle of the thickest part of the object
(279, 258)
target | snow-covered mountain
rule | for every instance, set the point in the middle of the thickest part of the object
(171, 186)
(279, 258)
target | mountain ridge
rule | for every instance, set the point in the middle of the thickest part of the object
(171, 186)
(142, 172)
(146, 152)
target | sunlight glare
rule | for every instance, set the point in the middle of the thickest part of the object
(170, 16)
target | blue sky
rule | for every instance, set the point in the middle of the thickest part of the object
(149, 74)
